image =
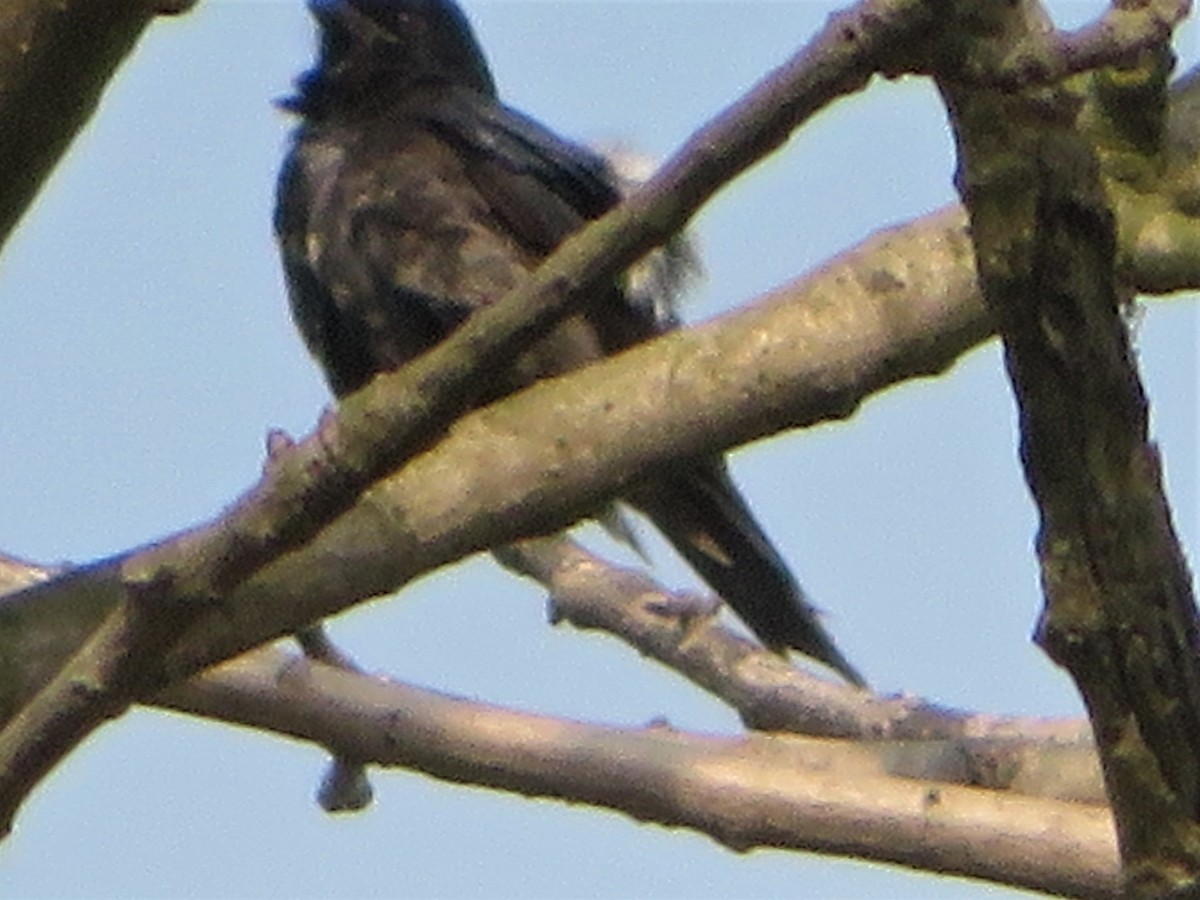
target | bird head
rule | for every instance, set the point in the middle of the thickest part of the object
(371, 46)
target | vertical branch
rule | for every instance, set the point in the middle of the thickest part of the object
(1119, 611)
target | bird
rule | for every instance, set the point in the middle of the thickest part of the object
(411, 196)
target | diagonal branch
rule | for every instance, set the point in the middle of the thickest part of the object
(55, 59)
(310, 485)
(768, 692)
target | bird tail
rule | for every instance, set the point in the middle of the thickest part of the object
(699, 509)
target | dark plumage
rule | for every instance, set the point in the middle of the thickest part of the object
(412, 196)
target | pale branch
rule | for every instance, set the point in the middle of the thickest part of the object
(766, 690)
(745, 792)
(991, 752)
(907, 737)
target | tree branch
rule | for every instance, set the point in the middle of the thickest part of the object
(768, 691)
(1120, 614)
(55, 59)
(745, 792)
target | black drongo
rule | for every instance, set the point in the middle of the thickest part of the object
(412, 196)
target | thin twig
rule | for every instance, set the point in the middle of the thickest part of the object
(767, 691)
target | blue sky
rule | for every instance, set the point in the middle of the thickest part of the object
(149, 350)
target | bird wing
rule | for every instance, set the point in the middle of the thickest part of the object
(534, 165)
(541, 189)
(386, 244)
